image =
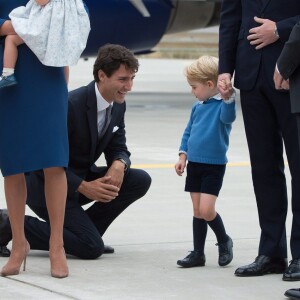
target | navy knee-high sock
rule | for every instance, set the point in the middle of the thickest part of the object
(218, 228)
(199, 234)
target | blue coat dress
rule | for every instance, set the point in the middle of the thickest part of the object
(33, 113)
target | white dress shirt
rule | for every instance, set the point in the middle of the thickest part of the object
(102, 105)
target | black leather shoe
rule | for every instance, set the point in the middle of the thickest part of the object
(292, 273)
(4, 252)
(225, 252)
(293, 293)
(261, 266)
(108, 249)
(5, 229)
(194, 259)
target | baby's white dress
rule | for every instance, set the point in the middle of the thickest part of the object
(57, 33)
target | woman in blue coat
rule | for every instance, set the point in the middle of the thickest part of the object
(33, 135)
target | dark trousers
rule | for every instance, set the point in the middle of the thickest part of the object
(268, 124)
(83, 229)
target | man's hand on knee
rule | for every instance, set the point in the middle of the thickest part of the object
(99, 190)
(116, 173)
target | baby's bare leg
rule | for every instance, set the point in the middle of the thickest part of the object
(12, 41)
(42, 2)
(11, 51)
(7, 28)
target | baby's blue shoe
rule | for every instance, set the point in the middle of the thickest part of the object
(6, 81)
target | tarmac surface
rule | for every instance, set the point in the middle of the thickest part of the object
(156, 231)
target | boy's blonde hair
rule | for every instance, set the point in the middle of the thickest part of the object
(203, 69)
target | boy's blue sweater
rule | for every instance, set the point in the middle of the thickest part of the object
(206, 137)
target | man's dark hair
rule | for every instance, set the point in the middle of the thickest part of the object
(110, 57)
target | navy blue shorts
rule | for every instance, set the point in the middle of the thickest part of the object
(204, 178)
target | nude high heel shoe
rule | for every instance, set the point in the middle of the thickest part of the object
(12, 268)
(59, 267)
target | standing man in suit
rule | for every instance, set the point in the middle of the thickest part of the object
(252, 35)
(96, 126)
(287, 72)
(287, 76)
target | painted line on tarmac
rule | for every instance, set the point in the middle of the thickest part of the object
(168, 166)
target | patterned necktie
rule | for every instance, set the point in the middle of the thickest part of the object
(106, 122)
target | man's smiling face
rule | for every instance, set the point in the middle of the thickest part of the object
(115, 87)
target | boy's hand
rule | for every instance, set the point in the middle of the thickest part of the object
(224, 87)
(222, 84)
(180, 166)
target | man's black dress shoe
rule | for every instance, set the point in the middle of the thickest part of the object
(108, 249)
(194, 259)
(5, 229)
(292, 273)
(261, 266)
(293, 293)
(225, 252)
(4, 252)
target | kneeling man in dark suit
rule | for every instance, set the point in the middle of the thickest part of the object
(96, 126)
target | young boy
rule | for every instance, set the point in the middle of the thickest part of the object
(204, 145)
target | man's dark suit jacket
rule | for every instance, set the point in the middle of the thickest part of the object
(85, 148)
(289, 66)
(236, 53)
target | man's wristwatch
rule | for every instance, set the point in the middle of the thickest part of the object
(124, 162)
(276, 31)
